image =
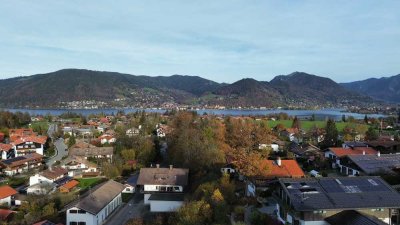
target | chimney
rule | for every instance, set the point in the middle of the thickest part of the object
(363, 152)
(158, 165)
(378, 154)
(279, 161)
(171, 167)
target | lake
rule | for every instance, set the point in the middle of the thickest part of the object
(319, 114)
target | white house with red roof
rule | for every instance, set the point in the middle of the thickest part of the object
(334, 153)
(6, 151)
(29, 144)
(107, 139)
(6, 194)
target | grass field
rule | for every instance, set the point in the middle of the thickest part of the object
(40, 126)
(307, 125)
(88, 182)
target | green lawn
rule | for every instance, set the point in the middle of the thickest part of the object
(40, 126)
(88, 182)
(307, 125)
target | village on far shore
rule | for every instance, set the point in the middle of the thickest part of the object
(181, 168)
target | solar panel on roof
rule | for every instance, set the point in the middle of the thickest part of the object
(9, 161)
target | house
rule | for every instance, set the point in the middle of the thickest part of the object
(20, 133)
(311, 201)
(305, 151)
(96, 207)
(107, 139)
(51, 175)
(69, 186)
(273, 147)
(77, 165)
(29, 144)
(21, 163)
(385, 146)
(370, 164)
(6, 195)
(291, 134)
(334, 154)
(46, 181)
(353, 217)
(6, 215)
(163, 130)
(163, 187)
(6, 151)
(277, 169)
(133, 131)
(354, 144)
(82, 149)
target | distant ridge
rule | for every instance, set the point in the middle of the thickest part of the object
(78, 87)
(385, 88)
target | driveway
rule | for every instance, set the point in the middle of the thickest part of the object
(133, 209)
(61, 151)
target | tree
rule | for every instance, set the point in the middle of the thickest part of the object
(71, 140)
(344, 118)
(331, 136)
(193, 213)
(312, 118)
(366, 119)
(296, 123)
(371, 134)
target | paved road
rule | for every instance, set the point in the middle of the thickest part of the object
(52, 129)
(133, 209)
(61, 151)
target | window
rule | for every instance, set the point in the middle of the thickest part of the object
(73, 223)
(82, 223)
(73, 211)
(169, 189)
(162, 188)
(81, 211)
(176, 188)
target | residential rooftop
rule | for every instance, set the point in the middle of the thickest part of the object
(308, 194)
(370, 164)
(163, 176)
(100, 197)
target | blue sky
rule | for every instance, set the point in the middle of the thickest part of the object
(219, 40)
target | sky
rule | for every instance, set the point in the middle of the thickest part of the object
(219, 40)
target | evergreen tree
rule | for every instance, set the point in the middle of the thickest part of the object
(71, 140)
(343, 118)
(331, 137)
(366, 119)
(296, 123)
(371, 134)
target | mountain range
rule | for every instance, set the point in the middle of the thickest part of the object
(385, 88)
(83, 88)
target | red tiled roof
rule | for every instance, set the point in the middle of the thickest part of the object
(35, 139)
(288, 168)
(70, 184)
(5, 213)
(6, 191)
(18, 133)
(5, 147)
(339, 152)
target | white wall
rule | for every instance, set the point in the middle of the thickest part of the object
(251, 190)
(6, 200)
(154, 187)
(94, 219)
(36, 179)
(165, 206)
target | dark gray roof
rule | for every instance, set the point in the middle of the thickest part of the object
(99, 198)
(167, 197)
(163, 176)
(371, 164)
(309, 194)
(354, 144)
(352, 217)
